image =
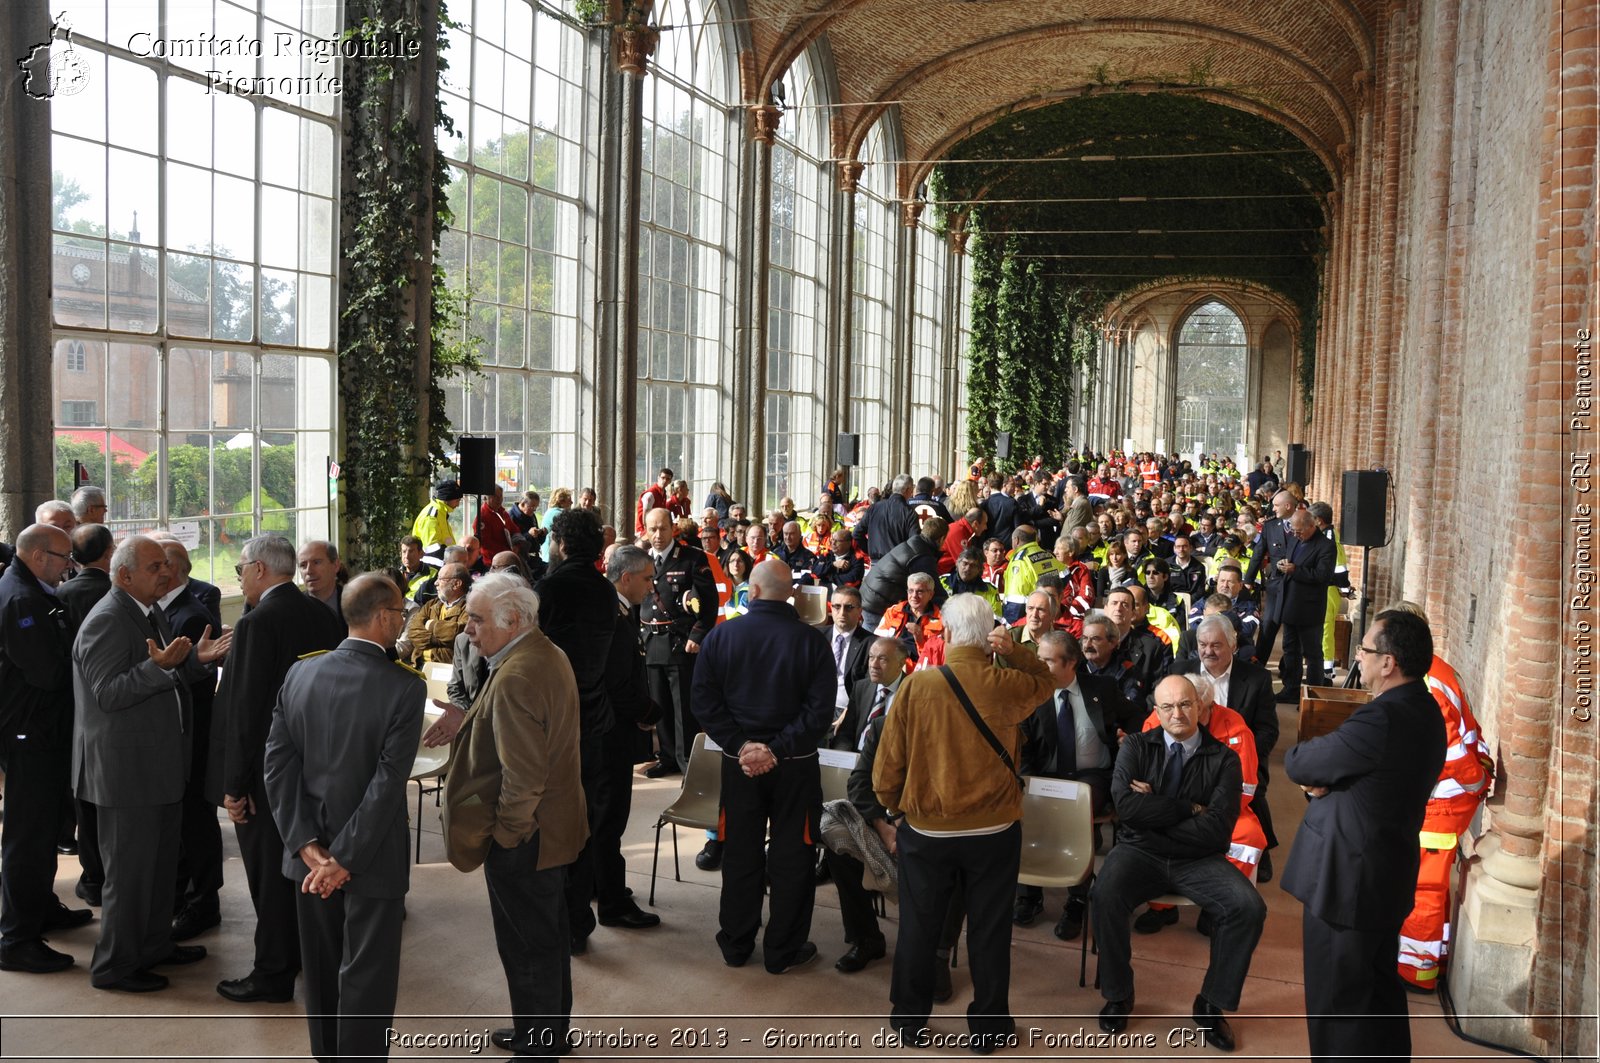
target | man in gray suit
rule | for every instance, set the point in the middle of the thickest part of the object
(130, 757)
(344, 736)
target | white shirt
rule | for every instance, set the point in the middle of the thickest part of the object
(1091, 749)
(1219, 684)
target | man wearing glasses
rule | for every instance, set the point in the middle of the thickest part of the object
(1176, 790)
(1354, 863)
(35, 749)
(281, 626)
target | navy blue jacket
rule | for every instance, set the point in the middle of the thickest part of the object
(765, 677)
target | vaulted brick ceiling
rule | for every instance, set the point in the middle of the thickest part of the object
(1260, 77)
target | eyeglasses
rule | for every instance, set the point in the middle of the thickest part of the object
(64, 557)
(238, 570)
(392, 609)
(1361, 648)
(1169, 709)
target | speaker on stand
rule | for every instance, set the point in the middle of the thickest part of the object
(1002, 446)
(1297, 469)
(1363, 522)
(848, 446)
(475, 454)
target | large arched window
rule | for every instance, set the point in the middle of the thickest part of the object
(1212, 380)
(683, 196)
(515, 90)
(192, 276)
(873, 321)
(793, 291)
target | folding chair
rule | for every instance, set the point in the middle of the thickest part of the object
(1058, 843)
(430, 764)
(699, 803)
(836, 766)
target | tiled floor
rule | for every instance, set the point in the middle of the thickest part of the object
(670, 984)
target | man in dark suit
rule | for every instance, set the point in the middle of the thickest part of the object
(344, 735)
(318, 562)
(631, 573)
(870, 696)
(1354, 863)
(130, 757)
(848, 639)
(888, 522)
(281, 626)
(1002, 509)
(1307, 573)
(1265, 578)
(91, 549)
(1246, 689)
(673, 632)
(200, 839)
(1072, 736)
(35, 749)
(577, 612)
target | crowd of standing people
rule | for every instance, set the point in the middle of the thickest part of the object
(1109, 622)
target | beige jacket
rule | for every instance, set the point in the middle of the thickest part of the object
(514, 764)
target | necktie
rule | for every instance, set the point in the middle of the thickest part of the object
(480, 670)
(1174, 771)
(838, 652)
(158, 622)
(1067, 729)
(877, 710)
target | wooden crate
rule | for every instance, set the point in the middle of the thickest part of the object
(1323, 709)
(1341, 641)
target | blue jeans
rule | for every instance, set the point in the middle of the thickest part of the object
(530, 930)
(1132, 876)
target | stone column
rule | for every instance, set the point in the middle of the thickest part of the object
(953, 433)
(633, 42)
(763, 130)
(848, 179)
(26, 404)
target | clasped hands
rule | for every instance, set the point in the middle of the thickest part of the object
(326, 873)
(756, 758)
(176, 652)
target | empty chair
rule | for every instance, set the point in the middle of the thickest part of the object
(699, 803)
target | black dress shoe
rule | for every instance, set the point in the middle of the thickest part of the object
(1026, 910)
(1264, 869)
(505, 1038)
(34, 957)
(193, 921)
(89, 893)
(1287, 697)
(63, 918)
(1070, 925)
(1154, 919)
(823, 873)
(67, 848)
(661, 768)
(580, 944)
(861, 954)
(630, 918)
(137, 982)
(1114, 1016)
(1214, 1029)
(254, 989)
(710, 857)
(181, 955)
(802, 956)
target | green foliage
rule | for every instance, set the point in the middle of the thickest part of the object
(392, 183)
(983, 350)
(92, 455)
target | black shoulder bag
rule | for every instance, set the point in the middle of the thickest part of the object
(983, 728)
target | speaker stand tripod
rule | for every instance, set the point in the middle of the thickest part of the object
(1358, 632)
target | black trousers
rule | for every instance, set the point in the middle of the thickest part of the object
(983, 867)
(531, 934)
(608, 815)
(140, 849)
(1355, 999)
(277, 935)
(200, 851)
(1302, 654)
(1259, 804)
(37, 773)
(581, 873)
(855, 903)
(351, 946)
(93, 868)
(670, 684)
(785, 803)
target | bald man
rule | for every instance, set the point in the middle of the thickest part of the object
(767, 719)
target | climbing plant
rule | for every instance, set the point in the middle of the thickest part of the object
(983, 349)
(391, 371)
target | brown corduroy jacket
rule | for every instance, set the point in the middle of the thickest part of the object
(514, 765)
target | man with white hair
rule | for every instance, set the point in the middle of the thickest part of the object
(89, 505)
(946, 773)
(514, 805)
(889, 521)
(57, 514)
(1247, 689)
(767, 720)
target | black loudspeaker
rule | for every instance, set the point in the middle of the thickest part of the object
(1002, 445)
(477, 464)
(1364, 507)
(849, 448)
(1298, 468)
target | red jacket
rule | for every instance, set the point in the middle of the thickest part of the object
(657, 499)
(955, 541)
(494, 531)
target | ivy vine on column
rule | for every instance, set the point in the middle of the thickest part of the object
(400, 334)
